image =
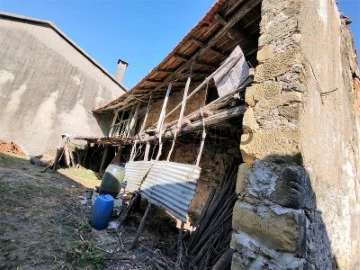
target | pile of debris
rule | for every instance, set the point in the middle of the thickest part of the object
(12, 148)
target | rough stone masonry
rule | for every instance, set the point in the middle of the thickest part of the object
(299, 194)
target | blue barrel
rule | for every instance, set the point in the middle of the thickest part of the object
(101, 211)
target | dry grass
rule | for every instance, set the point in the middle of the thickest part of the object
(41, 220)
(43, 225)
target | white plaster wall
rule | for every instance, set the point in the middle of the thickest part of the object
(47, 88)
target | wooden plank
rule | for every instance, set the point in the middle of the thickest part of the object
(160, 122)
(163, 110)
(117, 157)
(220, 19)
(182, 56)
(198, 158)
(141, 227)
(104, 157)
(213, 120)
(181, 116)
(127, 129)
(199, 42)
(134, 120)
(143, 125)
(154, 80)
(225, 67)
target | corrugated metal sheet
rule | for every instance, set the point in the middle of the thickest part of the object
(171, 186)
(135, 173)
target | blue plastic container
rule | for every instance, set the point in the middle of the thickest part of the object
(101, 211)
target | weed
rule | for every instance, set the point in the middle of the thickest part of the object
(4, 188)
(84, 252)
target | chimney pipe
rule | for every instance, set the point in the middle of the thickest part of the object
(122, 65)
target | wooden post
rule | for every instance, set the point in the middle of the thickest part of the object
(224, 68)
(78, 156)
(72, 159)
(133, 121)
(104, 158)
(118, 128)
(147, 151)
(161, 119)
(224, 261)
(113, 123)
(141, 227)
(117, 157)
(67, 156)
(181, 116)
(202, 141)
(128, 209)
(143, 125)
(180, 247)
(127, 129)
(86, 154)
(133, 151)
(163, 110)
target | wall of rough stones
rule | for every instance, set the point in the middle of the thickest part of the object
(298, 206)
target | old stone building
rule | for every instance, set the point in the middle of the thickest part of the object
(48, 85)
(294, 128)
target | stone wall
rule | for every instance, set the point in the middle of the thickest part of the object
(299, 206)
(47, 88)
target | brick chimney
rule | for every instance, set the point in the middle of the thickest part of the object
(122, 65)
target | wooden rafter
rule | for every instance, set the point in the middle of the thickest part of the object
(188, 60)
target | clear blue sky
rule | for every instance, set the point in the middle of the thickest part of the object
(141, 32)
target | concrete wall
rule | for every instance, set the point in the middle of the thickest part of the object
(47, 87)
(299, 206)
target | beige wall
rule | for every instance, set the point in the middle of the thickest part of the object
(329, 128)
(47, 88)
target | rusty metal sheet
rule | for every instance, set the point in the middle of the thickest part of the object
(135, 172)
(171, 186)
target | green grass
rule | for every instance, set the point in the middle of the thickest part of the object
(7, 159)
(85, 253)
(85, 177)
(4, 188)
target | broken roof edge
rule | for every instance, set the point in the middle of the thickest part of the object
(50, 24)
(207, 17)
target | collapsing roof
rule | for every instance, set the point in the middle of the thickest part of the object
(227, 24)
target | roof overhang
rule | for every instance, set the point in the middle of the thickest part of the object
(227, 24)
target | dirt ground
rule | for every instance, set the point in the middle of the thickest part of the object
(10, 147)
(43, 225)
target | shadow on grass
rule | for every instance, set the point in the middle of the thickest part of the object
(42, 223)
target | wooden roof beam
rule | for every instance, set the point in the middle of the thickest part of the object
(182, 57)
(217, 51)
(209, 64)
(204, 45)
(166, 70)
(220, 19)
(154, 80)
(238, 15)
(199, 42)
